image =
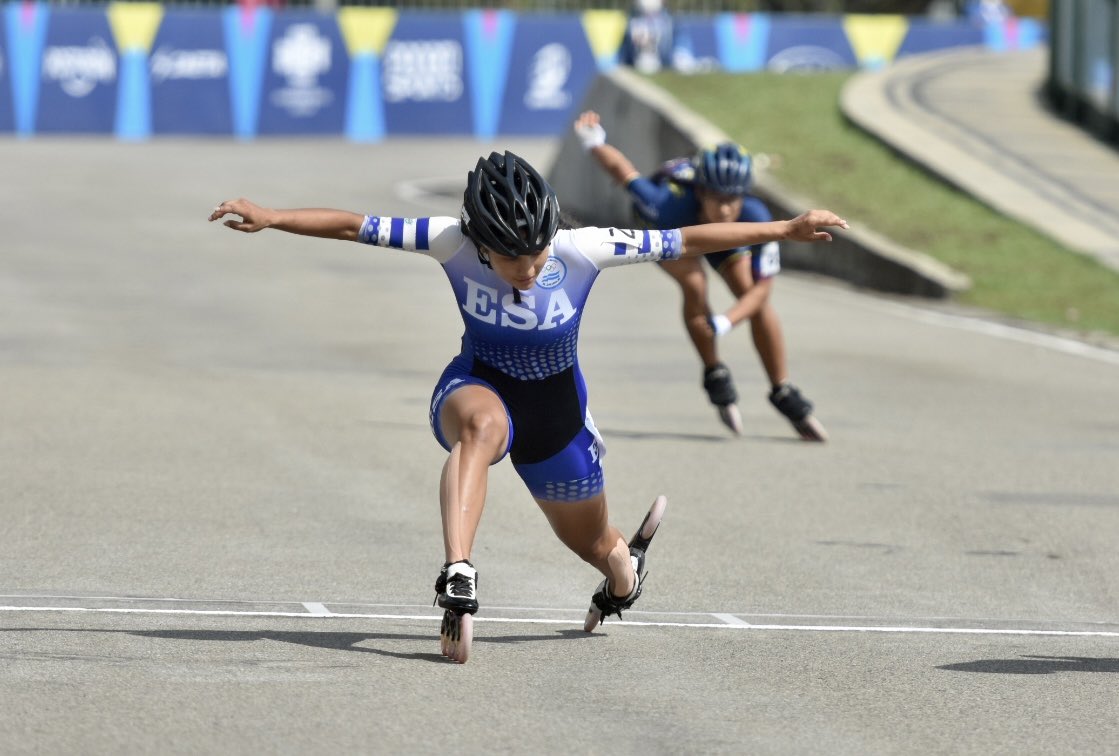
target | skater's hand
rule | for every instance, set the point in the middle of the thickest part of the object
(589, 130)
(719, 324)
(806, 226)
(253, 217)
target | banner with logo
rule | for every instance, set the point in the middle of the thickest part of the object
(549, 72)
(305, 76)
(7, 117)
(189, 74)
(423, 76)
(807, 43)
(78, 79)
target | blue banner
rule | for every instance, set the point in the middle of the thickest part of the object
(305, 76)
(550, 71)
(189, 74)
(423, 76)
(78, 81)
(927, 36)
(695, 45)
(808, 43)
(7, 117)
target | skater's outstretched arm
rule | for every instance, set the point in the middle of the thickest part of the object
(593, 138)
(713, 237)
(321, 222)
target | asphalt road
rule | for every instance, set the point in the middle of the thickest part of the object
(221, 528)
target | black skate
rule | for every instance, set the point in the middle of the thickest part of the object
(603, 602)
(456, 591)
(719, 385)
(790, 403)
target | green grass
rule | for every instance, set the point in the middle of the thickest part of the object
(1014, 270)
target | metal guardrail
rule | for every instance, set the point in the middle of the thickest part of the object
(1083, 83)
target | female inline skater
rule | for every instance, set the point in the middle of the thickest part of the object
(515, 388)
(712, 187)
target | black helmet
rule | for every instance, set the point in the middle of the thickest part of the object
(725, 168)
(508, 207)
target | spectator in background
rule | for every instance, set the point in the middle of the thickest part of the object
(647, 45)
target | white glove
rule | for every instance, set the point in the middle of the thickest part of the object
(720, 324)
(590, 135)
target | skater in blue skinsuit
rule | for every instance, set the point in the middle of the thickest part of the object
(712, 187)
(515, 387)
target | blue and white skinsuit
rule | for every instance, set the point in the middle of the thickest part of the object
(523, 346)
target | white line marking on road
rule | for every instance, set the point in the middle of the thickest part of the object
(576, 622)
(317, 609)
(999, 330)
(730, 619)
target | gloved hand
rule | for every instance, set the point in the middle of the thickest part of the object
(590, 135)
(720, 324)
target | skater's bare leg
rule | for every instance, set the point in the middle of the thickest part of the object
(692, 280)
(752, 301)
(476, 426)
(584, 527)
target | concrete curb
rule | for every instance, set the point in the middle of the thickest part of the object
(649, 125)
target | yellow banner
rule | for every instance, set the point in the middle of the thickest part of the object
(605, 30)
(875, 39)
(135, 25)
(366, 30)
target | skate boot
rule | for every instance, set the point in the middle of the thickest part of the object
(790, 403)
(719, 385)
(604, 602)
(456, 591)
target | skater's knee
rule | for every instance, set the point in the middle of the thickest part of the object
(483, 429)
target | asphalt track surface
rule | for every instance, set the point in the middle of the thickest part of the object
(221, 530)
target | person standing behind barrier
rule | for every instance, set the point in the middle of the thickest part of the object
(713, 187)
(648, 41)
(515, 388)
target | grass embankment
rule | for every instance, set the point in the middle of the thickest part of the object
(1015, 270)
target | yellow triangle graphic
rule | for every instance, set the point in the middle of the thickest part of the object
(875, 39)
(366, 30)
(135, 25)
(605, 30)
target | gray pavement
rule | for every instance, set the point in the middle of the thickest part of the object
(977, 119)
(218, 492)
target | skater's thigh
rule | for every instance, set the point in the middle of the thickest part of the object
(738, 274)
(576, 521)
(474, 412)
(689, 274)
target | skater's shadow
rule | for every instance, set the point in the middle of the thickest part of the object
(333, 641)
(1036, 665)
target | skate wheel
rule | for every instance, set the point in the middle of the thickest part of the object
(594, 617)
(456, 635)
(731, 418)
(810, 429)
(652, 520)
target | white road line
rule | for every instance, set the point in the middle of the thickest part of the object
(317, 609)
(730, 619)
(996, 329)
(576, 622)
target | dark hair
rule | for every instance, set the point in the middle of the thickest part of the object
(725, 168)
(508, 207)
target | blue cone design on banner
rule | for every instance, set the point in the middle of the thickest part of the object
(7, 117)
(26, 35)
(489, 36)
(246, 41)
(190, 75)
